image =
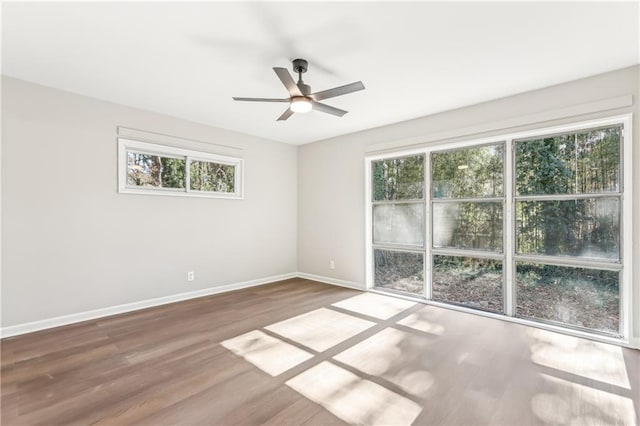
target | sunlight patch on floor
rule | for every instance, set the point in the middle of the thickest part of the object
(375, 305)
(396, 356)
(585, 358)
(353, 399)
(422, 321)
(577, 404)
(271, 355)
(320, 329)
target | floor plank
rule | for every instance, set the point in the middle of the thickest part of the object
(396, 360)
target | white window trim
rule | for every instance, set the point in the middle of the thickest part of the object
(627, 312)
(127, 145)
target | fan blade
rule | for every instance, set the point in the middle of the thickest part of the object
(338, 91)
(329, 109)
(260, 99)
(288, 113)
(288, 81)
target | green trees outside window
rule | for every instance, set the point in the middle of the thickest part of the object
(475, 172)
(399, 179)
(398, 223)
(467, 187)
(209, 176)
(568, 205)
(157, 171)
(573, 163)
(565, 227)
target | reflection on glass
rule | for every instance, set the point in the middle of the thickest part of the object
(400, 271)
(573, 163)
(468, 225)
(472, 282)
(398, 178)
(581, 297)
(398, 223)
(468, 172)
(584, 228)
(215, 177)
(155, 171)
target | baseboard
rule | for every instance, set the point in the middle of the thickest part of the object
(333, 281)
(30, 327)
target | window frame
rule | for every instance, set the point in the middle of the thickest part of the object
(399, 247)
(500, 255)
(128, 145)
(624, 265)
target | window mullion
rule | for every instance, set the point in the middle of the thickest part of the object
(187, 174)
(467, 253)
(428, 228)
(509, 231)
(566, 197)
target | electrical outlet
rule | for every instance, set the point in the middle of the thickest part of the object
(191, 276)
(332, 264)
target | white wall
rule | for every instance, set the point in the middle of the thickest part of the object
(72, 243)
(331, 172)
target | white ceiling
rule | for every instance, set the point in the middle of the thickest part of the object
(188, 59)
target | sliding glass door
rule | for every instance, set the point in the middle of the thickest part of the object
(526, 227)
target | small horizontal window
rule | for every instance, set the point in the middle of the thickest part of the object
(146, 168)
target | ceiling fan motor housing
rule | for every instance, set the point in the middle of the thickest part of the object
(300, 65)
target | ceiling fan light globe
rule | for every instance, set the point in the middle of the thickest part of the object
(300, 104)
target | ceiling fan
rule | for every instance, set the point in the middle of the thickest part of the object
(300, 97)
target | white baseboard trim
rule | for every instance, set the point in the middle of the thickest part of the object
(333, 281)
(30, 327)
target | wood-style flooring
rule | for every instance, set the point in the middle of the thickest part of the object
(301, 352)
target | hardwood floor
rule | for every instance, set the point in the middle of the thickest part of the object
(301, 352)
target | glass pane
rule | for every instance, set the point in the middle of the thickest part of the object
(577, 296)
(468, 281)
(584, 228)
(400, 271)
(398, 178)
(574, 163)
(398, 223)
(468, 172)
(468, 225)
(155, 171)
(208, 176)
